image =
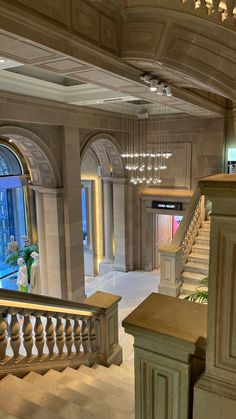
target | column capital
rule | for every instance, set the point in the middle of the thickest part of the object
(48, 191)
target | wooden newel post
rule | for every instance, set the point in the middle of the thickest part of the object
(110, 352)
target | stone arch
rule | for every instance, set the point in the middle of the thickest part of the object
(41, 163)
(107, 150)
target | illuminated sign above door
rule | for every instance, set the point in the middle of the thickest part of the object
(175, 206)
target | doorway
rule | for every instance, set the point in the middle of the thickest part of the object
(165, 229)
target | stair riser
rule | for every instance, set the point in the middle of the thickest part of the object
(203, 271)
(204, 233)
(198, 260)
(200, 250)
(189, 280)
(202, 240)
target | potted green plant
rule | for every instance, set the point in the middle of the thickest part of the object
(200, 295)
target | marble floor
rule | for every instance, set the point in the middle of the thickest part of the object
(133, 287)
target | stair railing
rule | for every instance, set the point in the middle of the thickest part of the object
(38, 333)
(175, 255)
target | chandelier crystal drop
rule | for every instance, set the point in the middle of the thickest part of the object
(146, 161)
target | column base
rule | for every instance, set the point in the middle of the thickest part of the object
(105, 267)
(214, 399)
(172, 291)
(115, 358)
(121, 268)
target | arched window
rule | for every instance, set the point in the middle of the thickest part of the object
(12, 207)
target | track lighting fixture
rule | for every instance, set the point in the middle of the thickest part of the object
(156, 85)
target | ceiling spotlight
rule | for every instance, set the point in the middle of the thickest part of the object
(160, 89)
(10, 140)
(2, 60)
(168, 91)
(153, 85)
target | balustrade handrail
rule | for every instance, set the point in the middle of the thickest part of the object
(215, 10)
(22, 300)
(184, 225)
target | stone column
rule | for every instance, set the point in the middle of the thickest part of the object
(107, 264)
(122, 205)
(108, 219)
(41, 241)
(215, 392)
(50, 225)
(73, 215)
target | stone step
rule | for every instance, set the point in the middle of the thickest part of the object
(120, 373)
(108, 384)
(202, 240)
(196, 267)
(201, 248)
(94, 405)
(206, 225)
(201, 258)
(204, 232)
(106, 375)
(114, 401)
(193, 278)
(4, 415)
(16, 405)
(42, 398)
(188, 289)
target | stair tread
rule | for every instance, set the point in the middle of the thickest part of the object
(195, 275)
(14, 404)
(106, 385)
(199, 256)
(44, 399)
(121, 373)
(195, 265)
(114, 400)
(96, 406)
(201, 246)
(106, 376)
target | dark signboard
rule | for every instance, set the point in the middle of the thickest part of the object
(176, 206)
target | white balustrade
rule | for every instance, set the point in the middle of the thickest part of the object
(36, 336)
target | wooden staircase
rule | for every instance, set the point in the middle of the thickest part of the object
(86, 393)
(197, 266)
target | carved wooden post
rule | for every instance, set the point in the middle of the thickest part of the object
(77, 336)
(50, 339)
(15, 337)
(110, 352)
(60, 337)
(85, 330)
(3, 340)
(68, 336)
(92, 335)
(28, 337)
(39, 337)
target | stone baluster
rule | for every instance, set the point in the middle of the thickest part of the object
(189, 3)
(85, 336)
(60, 337)
(203, 7)
(3, 340)
(39, 336)
(92, 335)
(15, 337)
(50, 338)
(28, 337)
(230, 4)
(77, 336)
(68, 337)
(216, 13)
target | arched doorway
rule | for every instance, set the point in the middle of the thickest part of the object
(106, 206)
(45, 206)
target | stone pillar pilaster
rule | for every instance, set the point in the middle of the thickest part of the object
(215, 392)
(50, 223)
(122, 205)
(73, 215)
(108, 219)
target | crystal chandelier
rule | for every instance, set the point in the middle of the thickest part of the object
(144, 161)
